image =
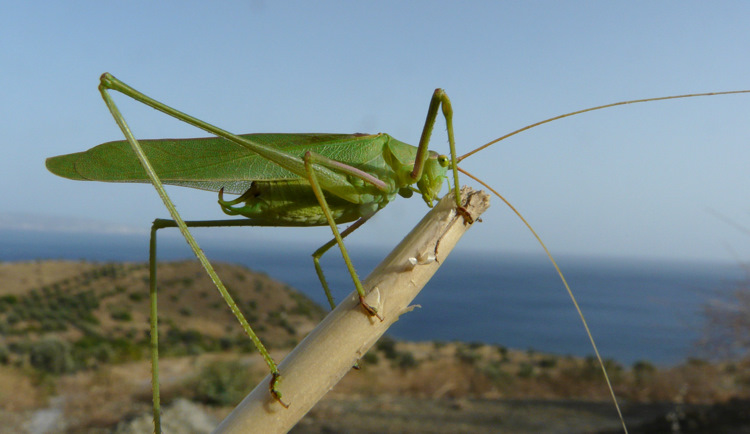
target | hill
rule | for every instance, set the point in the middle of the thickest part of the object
(93, 313)
(74, 358)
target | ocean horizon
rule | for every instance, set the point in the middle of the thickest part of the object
(636, 309)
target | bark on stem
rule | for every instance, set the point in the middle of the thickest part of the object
(329, 352)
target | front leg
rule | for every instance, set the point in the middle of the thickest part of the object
(440, 99)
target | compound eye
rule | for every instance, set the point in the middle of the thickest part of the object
(443, 160)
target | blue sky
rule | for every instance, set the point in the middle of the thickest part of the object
(642, 181)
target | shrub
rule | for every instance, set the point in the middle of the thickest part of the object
(475, 345)
(4, 354)
(467, 355)
(137, 296)
(259, 286)
(494, 371)
(503, 351)
(405, 360)
(223, 383)
(9, 299)
(370, 358)
(12, 318)
(547, 362)
(280, 319)
(51, 355)
(186, 311)
(121, 314)
(387, 345)
(526, 370)
(643, 371)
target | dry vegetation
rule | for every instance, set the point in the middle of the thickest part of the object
(98, 313)
(78, 344)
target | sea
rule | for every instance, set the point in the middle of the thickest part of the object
(638, 310)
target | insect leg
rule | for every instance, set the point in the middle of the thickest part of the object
(280, 157)
(324, 248)
(154, 328)
(164, 223)
(156, 182)
(440, 99)
(309, 159)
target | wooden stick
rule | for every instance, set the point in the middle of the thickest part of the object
(329, 352)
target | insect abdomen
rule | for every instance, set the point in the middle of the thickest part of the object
(287, 203)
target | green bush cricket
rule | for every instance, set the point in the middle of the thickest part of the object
(285, 180)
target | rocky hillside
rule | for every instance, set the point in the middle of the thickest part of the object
(74, 358)
(62, 316)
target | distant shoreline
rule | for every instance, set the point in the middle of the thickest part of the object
(638, 309)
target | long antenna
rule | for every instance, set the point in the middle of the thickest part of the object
(634, 101)
(567, 288)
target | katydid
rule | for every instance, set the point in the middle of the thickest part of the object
(285, 180)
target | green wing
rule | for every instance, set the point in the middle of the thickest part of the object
(211, 163)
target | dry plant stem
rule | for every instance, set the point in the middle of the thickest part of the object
(329, 352)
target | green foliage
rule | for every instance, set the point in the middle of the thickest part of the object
(222, 383)
(387, 346)
(137, 296)
(548, 362)
(12, 319)
(503, 351)
(186, 311)
(495, 372)
(51, 309)
(405, 360)
(400, 359)
(77, 303)
(8, 299)
(526, 370)
(643, 366)
(281, 319)
(370, 358)
(592, 371)
(188, 342)
(93, 349)
(467, 354)
(643, 371)
(51, 355)
(120, 313)
(4, 354)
